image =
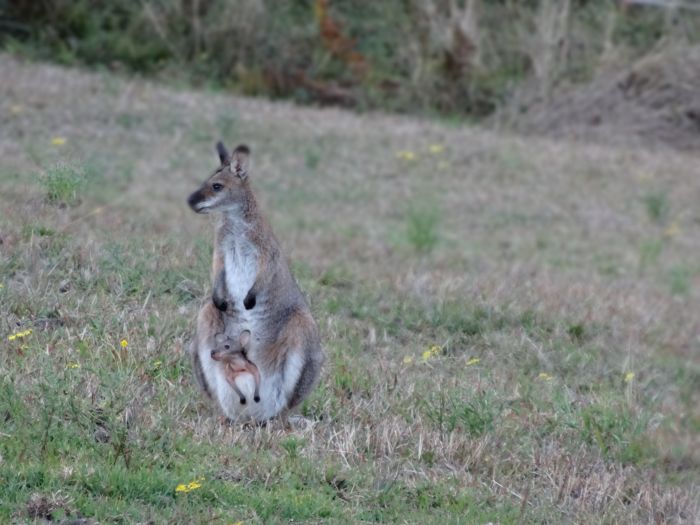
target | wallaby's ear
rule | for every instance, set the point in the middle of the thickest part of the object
(240, 161)
(244, 338)
(224, 155)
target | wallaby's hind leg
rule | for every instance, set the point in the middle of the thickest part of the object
(199, 372)
(297, 356)
(310, 354)
(209, 323)
(307, 379)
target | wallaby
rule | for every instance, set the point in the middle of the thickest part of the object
(232, 353)
(254, 290)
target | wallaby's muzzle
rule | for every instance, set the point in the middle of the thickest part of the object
(195, 200)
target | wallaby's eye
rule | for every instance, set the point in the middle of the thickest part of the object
(217, 187)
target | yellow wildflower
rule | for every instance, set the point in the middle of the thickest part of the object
(2, 286)
(406, 155)
(156, 364)
(19, 335)
(436, 149)
(433, 351)
(16, 109)
(188, 487)
(407, 360)
(629, 376)
(124, 343)
(645, 176)
(473, 361)
(73, 365)
(673, 230)
(58, 141)
(544, 376)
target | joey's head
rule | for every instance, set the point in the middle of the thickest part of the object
(228, 187)
(230, 351)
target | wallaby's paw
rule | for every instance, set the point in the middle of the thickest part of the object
(220, 305)
(249, 301)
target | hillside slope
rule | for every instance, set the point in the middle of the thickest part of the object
(511, 323)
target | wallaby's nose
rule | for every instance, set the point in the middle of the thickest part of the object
(193, 199)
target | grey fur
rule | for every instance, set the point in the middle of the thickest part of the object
(199, 374)
(253, 290)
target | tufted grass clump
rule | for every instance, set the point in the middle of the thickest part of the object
(63, 183)
(422, 222)
(657, 206)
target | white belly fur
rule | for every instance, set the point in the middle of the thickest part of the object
(240, 263)
(273, 393)
(241, 266)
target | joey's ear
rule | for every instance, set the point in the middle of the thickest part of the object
(244, 338)
(240, 161)
(224, 155)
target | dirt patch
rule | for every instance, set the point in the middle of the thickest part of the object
(654, 100)
(56, 508)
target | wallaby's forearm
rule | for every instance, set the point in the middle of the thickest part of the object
(217, 263)
(266, 268)
(267, 262)
(219, 295)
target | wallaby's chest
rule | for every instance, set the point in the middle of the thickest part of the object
(241, 267)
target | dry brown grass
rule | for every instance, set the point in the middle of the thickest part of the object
(654, 100)
(548, 262)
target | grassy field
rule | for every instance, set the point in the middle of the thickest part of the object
(512, 324)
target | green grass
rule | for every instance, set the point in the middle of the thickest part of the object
(680, 279)
(422, 225)
(649, 253)
(312, 158)
(657, 205)
(63, 183)
(477, 373)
